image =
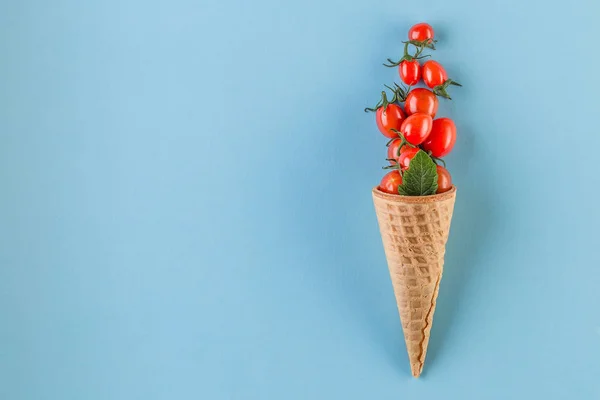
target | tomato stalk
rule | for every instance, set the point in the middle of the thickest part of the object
(422, 44)
(407, 56)
(403, 140)
(394, 166)
(383, 102)
(400, 92)
(436, 159)
(441, 90)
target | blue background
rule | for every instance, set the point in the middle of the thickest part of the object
(186, 209)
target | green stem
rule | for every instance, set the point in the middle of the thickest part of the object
(430, 44)
(436, 159)
(382, 103)
(405, 57)
(393, 166)
(384, 100)
(403, 141)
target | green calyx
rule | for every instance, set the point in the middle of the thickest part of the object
(400, 92)
(427, 43)
(441, 90)
(403, 141)
(383, 102)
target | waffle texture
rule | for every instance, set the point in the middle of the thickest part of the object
(414, 231)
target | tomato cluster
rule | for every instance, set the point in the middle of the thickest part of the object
(413, 127)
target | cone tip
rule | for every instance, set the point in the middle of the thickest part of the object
(416, 370)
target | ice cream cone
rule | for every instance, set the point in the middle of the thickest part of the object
(414, 231)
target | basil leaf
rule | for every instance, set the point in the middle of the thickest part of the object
(421, 177)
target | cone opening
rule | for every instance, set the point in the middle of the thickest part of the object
(415, 199)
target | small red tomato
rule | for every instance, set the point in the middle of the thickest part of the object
(444, 179)
(407, 153)
(416, 128)
(390, 182)
(410, 72)
(393, 150)
(421, 32)
(421, 100)
(442, 137)
(389, 118)
(434, 74)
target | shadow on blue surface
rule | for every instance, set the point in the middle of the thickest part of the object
(473, 221)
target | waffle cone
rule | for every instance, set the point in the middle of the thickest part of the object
(414, 231)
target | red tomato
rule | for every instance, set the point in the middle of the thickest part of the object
(410, 72)
(420, 32)
(406, 154)
(444, 179)
(421, 100)
(434, 74)
(390, 182)
(416, 128)
(442, 137)
(389, 118)
(392, 150)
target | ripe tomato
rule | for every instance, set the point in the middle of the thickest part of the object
(389, 118)
(444, 179)
(442, 137)
(421, 100)
(410, 72)
(390, 182)
(416, 128)
(406, 154)
(392, 150)
(421, 32)
(434, 74)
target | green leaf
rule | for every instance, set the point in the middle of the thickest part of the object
(421, 177)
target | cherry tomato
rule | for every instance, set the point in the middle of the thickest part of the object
(390, 182)
(406, 154)
(389, 118)
(410, 72)
(442, 137)
(392, 150)
(444, 179)
(416, 128)
(421, 100)
(434, 74)
(420, 32)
